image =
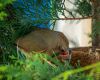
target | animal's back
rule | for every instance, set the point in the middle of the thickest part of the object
(43, 39)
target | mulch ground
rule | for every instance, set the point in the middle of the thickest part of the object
(86, 55)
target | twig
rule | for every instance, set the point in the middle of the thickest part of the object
(49, 62)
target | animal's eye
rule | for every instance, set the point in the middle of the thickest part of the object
(62, 50)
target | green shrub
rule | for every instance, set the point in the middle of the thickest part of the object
(44, 67)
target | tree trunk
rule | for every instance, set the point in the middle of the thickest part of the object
(96, 20)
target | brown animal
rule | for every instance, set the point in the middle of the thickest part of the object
(44, 40)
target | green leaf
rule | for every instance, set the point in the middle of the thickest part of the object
(3, 68)
(2, 15)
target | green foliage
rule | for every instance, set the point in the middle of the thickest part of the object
(3, 3)
(43, 67)
(9, 32)
(39, 68)
(2, 15)
(95, 32)
(84, 7)
(7, 39)
(96, 28)
(91, 76)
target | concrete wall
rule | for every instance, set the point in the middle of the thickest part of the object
(76, 31)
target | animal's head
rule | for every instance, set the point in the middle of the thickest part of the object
(64, 55)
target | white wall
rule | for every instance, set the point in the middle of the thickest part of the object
(77, 32)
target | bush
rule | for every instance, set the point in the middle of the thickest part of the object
(43, 67)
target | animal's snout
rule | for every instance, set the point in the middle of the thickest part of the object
(65, 55)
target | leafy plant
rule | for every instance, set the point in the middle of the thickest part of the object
(3, 3)
(70, 75)
(44, 67)
(38, 67)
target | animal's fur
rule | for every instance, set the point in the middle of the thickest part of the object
(43, 40)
